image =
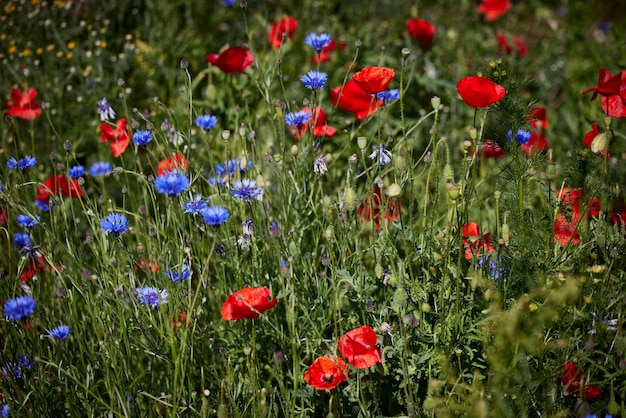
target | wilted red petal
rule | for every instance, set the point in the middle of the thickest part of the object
(359, 347)
(479, 91)
(493, 9)
(373, 80)
(326, 372)
(351, 98)
(247, 303)
(421, 30)
(232, 60)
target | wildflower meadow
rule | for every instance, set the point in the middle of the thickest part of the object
(270, 208)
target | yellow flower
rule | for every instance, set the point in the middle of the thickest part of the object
(71, 45)
(533, 307)
(12, 49)
(587, 299)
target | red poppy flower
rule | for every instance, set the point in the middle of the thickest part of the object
(565, 231)
(474, 242)
(326, 372)
(479, 91)
(421, 30)
(359, 347)
(519, 46)
(538, 117)
(118, 136)
(59, 184)
(324, 55)
(575, 381)
(37, 264)
(22, 105)
(318, 120)
(494, 9)
(618, 214)
(373, 80)
(537, 143)
(351, 98)
(368, 211)
(247, 303)
(490, 149)
(232, 60)
(616, 107)
(180, 320)
(608, 85)
(597, 142)
(176, 161)
(147, 266)
(285, 26)
(503, 44)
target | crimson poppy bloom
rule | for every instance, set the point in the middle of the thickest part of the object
(285, 26)
(565, 231)
(318, 121)
(574, 381)
(59, 184)
(474, 242)
(538, 117)
(351, 98)
(618, 214)
(608, 85)
(22, 105)
(37, 264)
(519, 46)
(359, 347)
(181, 319)
(421, 30)
(176, 161)
(479, 91)
(616, 106)
(373, 80)
(326, 372)
(324, 55)
(232, 60)
(247, 303)
(368, 211)
(537, 143)
(494, 9)
(118, 136)
(597, 142)
(490, 149)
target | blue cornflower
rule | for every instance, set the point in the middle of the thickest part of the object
(115, 224)
(19, 307)
(105, 110)
(246, 189)
(171, 183)
(318, 42)
(150, 296)
(44, 205)
(5, 412)
(215, 215)
(60, 333)
(26, 221)
(77, 172)
(22, 164)
(206, 122)
(184, 273)
(22, 239)
(1, 187)
(314, 80)
(297, 118)
(388, 95)
(383, 155)
(195, 205)
(142, 138)
(521, 137)
(228, 3)
(100, 168)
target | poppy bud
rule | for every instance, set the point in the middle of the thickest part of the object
(294, 150)
(505, 233)
(400, 297)
(378, 270)
(453, 191)
(448, 173)
(393, 190)
(473, 133)
(225, 134)
(349, 198)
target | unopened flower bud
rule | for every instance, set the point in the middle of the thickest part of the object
(378, 270)
(497, 194)
(399, 162)
(448, 174)
(506, 233)
(225, 134)
(426, 307)
(349, 198)
(607, 121)
(294, 150)
(405, 51)
(399, 296)
(473, 134)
